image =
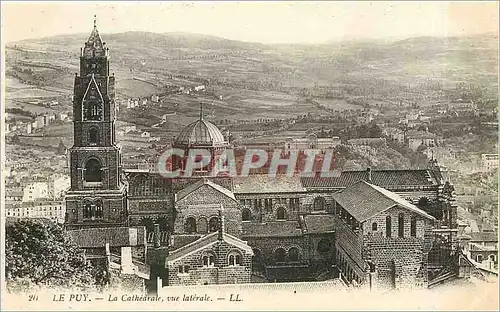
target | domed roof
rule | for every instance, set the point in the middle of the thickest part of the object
(201, 132)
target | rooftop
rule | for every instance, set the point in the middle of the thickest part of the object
(272, 229)
(263, 183)
(201, 132)
(321, 223)
(484, 237)
(420, 135)
(94, 45)
(364, 200)
(383, 178)
(194, 186)
(116, 237)
(206, 241)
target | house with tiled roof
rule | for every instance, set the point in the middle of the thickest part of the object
(416, 139)
(380, 238)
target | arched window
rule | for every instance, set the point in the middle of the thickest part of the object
(87, 210)
(401, 225)
(202, 225)
(374, 226)
(324, 246)
(422, 202)
(213, 224)
(319, 204)
(293, 254)
(190, 225)
(280, 255)
(492, 258)
(93, 209)
(245, 214)
(93, 136)
(280, 213)
(208, 260)
(479, 258)
(93, 111)
(234, 258)
(413, 226)
(93, 171)
(388, 228)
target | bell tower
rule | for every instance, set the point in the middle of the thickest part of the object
(97, 196)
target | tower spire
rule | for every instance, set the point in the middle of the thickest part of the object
(95, 21)
(201, 111)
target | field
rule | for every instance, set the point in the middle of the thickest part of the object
(247, 81)
(335, 104)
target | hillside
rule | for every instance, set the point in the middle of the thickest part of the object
(252, 75)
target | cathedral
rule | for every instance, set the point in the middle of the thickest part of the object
(368, 227)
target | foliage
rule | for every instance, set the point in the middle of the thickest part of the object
(39, 253)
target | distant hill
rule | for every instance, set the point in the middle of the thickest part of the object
(170, 40)
(363, 63)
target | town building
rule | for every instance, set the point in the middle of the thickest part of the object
(36, 190)
(312, 142)
(52, 188)
(367, 141)
(54, 210)
(417, 139)
(489, 162)
(394, 134)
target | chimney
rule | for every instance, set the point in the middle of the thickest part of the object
(108, 256)
(221, 222)
(369, 173)
(156, 235)
(126, 260)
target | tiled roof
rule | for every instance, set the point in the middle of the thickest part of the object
(476, 247)
(271, 229)
(420, 135)
(193, 187)
(363, 201)
(14, 193)
(484, 237)
(321, 223)
(115, 236)
(383, 178)
(262, 183)
(205, 242)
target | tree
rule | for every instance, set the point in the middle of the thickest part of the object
(40, 253)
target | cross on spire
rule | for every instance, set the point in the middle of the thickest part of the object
(95, 21)
(201, 111)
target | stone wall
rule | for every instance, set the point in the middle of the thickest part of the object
(405, 257)
(220, 273)
(204, 204)
(267, 246)
(114, 209)
(262, 212)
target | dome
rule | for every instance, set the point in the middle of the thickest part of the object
(201, 132)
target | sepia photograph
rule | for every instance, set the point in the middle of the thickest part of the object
(249, 155)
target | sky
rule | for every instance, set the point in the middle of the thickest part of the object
(265, 22)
